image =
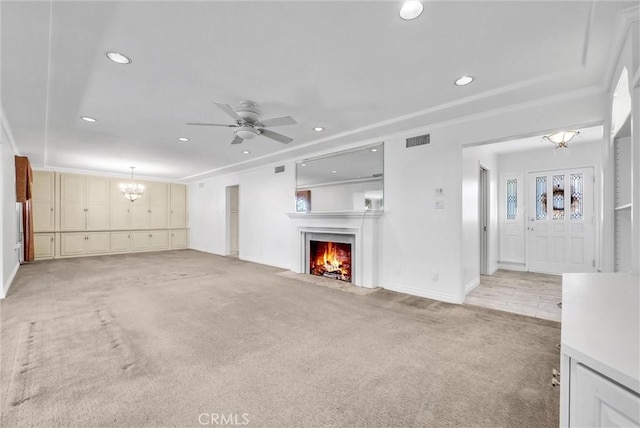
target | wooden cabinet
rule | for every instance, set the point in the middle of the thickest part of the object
(78, 244)
(178, 211)
(120, 242)
(80, 215)
(84, 202)
(600, 350)
(44, 245)
(43, 201)
(146, 240)
(179, 239)
(148, 212)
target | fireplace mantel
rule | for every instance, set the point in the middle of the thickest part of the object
(363, 225)
(336, 214)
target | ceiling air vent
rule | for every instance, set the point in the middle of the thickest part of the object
(280, 169)
(418, 141)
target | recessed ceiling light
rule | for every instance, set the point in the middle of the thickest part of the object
(246, 152)
(303, 164)
(464, 80)
(88, 119)
(374, 150)
(118, 57)
(411, 10)
(318, 129)
(184, 139)
(334, 171)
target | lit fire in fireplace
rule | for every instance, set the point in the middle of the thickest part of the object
(331, 260)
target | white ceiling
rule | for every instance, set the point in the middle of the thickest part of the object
(348, 66)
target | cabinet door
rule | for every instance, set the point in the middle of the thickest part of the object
(159, 239)
(72, 202)
(120, 242)
(97, 243)
(179, 238)
(140, 240)
(97, 203)
(43, 201)
(139, 214)
(158, 208)
(596, 401)
(72, 244)
(43, 243)
(178, 206)
(119, 218)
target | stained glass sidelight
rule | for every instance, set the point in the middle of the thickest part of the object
(512, 198)
(558, 197)
(541, 198)
(576, 197)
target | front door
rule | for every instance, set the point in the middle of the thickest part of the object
(560, 227)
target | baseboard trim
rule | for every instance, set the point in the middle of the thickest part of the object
(471, 285)
(262, 262)
(434, 295)
(520, 267)
(7, 285)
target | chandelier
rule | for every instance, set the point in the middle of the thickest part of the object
(561, 139)
(132, 191)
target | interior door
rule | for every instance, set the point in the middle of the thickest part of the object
(560, 229)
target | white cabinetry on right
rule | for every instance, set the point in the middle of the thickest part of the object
(600, 361)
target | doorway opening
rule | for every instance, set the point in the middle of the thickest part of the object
(483, 216)
(233, 220)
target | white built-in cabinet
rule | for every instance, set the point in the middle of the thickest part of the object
(600, 371)
(81, 215)
(84, 202)
(44, 245)
(178, 211)
(43, 201)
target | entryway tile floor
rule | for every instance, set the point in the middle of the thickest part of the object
(525, 293)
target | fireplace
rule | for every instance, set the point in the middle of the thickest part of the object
(330, 259)
(330, 255)
(358, 229)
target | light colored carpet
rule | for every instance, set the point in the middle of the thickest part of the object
(159, 339)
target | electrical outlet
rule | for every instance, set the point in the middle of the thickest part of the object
(439, 204)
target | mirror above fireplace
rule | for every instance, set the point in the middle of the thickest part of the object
(351, 180)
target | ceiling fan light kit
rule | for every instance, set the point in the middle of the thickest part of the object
(248, 124)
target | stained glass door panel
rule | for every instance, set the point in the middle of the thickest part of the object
(560, 227)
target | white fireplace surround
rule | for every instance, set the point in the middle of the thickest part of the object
(363, 226)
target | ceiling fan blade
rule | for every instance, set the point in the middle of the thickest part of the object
(227, 109)
(278, 121)
(275, 136)
(237, 140)
(210, 124)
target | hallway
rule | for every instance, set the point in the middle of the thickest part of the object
(526, 293)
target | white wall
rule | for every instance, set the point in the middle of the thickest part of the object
(543, 159)
(8, 217)
(472, 159)
(416, 240)
(264, 232)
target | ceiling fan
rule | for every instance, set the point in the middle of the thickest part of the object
(248, 123)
